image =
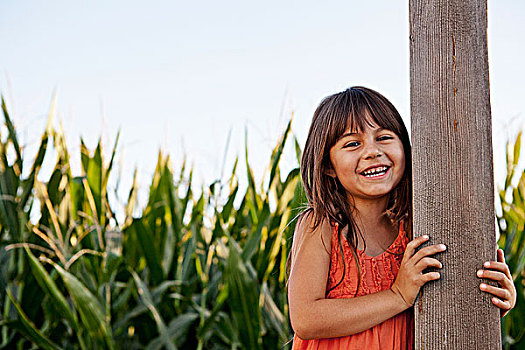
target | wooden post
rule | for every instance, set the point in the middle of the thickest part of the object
(453, 175)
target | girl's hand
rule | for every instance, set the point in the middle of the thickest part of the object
(505, 295)
(410, 277)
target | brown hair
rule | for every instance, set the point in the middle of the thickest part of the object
(327, 199)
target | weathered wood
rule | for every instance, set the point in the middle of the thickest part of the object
(453, 174)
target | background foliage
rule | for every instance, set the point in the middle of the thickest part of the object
(511, 222)
(195, 270)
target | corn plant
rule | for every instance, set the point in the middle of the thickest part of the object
(512, 240)
(192, 271)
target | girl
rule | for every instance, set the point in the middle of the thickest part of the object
(354, 269)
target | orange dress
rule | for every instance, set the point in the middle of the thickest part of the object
(377, 273)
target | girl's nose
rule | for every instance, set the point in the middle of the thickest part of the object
(372, 152)
(376, 154)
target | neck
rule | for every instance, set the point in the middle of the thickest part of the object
(370, 213)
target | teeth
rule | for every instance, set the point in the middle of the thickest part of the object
(375, 171)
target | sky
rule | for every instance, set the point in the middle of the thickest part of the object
(181, 76)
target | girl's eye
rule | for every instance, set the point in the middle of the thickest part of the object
(351, 144)
(384, 138)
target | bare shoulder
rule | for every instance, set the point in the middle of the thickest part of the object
(309, 265)
(309, 238)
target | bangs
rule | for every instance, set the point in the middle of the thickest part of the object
(368, 110)
(355, 108)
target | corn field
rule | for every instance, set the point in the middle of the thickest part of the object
(192, 271)
(511, 224)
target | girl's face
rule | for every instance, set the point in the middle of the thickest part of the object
(369, 163)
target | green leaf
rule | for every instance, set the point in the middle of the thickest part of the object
(28, 184)
(517, 148)
(233, 176)
(189, 249)
(8, 210)
(110, 165)
(31, 332)
(94, 179)
(510, 168)
(243, 300)
(147, 245)
(89, 308)
(210, 319)
(178, 330)
(277, 152)
(132, 197)
(50, 288)
(272, 316)
(227, 208)
(288, 193)
(255, 202)
(76, 192)
(145, 297)
(254, 240)
(298, 151)
(12, 137)
(187, 197)
(84, 156)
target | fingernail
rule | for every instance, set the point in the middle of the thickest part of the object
(480, 273)
(425, 236)
(483, 286)
(443, 247)
(486, 264)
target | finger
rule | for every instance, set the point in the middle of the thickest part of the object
(429, 276)
(500, 277)
(501, 259)
(430, 250)
(499, 266)
(428, 262)
(501, 255)
(413, 244)
(501, 293)
(504, 305)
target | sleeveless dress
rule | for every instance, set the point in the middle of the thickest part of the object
(377, 274)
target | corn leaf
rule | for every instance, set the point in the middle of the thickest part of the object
(28, 184)
(94, 179)
(147, 245)
(517, 149)
(50, 288)
(31, 332)
(13, 138)
(177, 329)
(243, 301)
(111, 160)
(277, 152)
(8, 212)
(146, 299)
(89, 308)
(298, 151)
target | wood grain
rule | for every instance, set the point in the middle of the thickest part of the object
(453, 170)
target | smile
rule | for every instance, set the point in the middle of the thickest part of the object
(375, 172)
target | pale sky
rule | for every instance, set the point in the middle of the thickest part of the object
(179, 74)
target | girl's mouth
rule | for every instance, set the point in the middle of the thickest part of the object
(375, 172)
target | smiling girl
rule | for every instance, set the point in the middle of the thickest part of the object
(355, 270)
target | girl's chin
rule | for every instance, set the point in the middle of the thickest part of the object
(371, 195)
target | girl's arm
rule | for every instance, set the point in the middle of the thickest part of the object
(313, 316)
(505, 295)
